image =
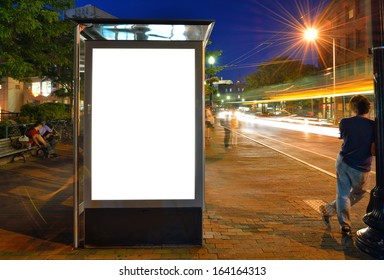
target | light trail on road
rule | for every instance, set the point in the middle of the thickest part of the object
(293, 124)
(277, 142)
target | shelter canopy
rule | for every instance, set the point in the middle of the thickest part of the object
(143, 30)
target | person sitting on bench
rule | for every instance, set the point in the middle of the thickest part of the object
(37, 140)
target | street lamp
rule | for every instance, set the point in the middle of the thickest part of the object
(211, 61)
(311, 34)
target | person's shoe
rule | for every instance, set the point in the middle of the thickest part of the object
(346, 230)
(324, 215)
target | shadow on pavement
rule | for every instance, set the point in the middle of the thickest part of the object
(36, 198)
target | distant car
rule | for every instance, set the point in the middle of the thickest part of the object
(279, 113)
(224, 114)
(282, 113)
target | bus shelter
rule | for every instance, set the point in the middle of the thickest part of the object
(139, 133)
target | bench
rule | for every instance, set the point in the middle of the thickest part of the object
(7, 144)
(7, 150)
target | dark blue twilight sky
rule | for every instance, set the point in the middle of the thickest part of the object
(248, 32)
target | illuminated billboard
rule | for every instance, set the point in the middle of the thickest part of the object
(141, 103)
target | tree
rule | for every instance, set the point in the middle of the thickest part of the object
(30, 35)
(210, 73)
(62, 72)
(276, 71)
(212, 70)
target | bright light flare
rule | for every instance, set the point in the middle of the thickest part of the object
(302, 31)
(294, 124)
(310, 34)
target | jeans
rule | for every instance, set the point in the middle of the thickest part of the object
(351, 187)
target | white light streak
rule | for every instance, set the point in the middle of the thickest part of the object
(304, 125)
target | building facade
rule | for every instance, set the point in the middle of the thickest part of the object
(347, 25)
(228, 92)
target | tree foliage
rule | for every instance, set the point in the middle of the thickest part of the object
(211, 71)
(209, 89)
(62, 73)
(47, 111)
(276, 71)
(31, 37)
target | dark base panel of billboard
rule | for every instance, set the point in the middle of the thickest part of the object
(111, 227)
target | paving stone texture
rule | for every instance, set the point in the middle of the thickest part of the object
(259, 205)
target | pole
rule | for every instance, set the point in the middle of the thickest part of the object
(371, 239)
(75, 137)
(334, 64)
(210, 84)
(334, 80)
(211, 61)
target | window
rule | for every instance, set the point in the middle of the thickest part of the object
(341, 43)
(361, 66)
(360, 38)
(350, 42)
(341, 73)
(351, 69)
(360, 8)
(348, 14)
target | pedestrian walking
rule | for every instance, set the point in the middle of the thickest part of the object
(353, 163)
(226, 124)
(209, 122)
(234, 128)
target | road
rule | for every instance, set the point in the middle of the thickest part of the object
(315, 146)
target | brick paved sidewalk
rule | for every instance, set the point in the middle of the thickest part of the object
(259, 205)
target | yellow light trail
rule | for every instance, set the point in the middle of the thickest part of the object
(347, 89)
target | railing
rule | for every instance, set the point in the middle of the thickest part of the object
(13, 130)
(65, 130)
(62, 127)
(6, 115)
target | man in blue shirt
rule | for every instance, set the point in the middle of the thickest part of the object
(353, 163)
(48, 134)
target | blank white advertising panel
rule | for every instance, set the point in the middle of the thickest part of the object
(143, 124)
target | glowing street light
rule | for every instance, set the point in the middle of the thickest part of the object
(211, 60)
(310, 34)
